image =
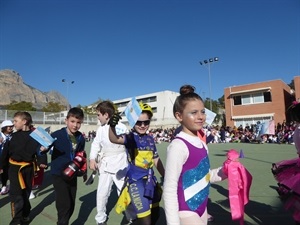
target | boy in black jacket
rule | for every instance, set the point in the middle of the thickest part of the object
(68, 161)
(21, 153)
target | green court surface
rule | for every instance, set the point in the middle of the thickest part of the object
(264, 207)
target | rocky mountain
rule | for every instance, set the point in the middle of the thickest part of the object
(13, 88)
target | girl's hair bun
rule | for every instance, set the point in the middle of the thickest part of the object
(187, 89)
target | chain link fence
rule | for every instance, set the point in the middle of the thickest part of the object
(58, 118)
(44, 118)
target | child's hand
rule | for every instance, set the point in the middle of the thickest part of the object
(114, 120)
(1, 171)
(93, 164)
(43, 149)
(43, 166)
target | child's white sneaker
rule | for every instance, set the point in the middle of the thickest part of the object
(31, 196)
(4, 190)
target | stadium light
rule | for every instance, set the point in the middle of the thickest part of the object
(67, 83)
(207, 63)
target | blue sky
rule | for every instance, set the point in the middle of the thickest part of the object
(119, 49)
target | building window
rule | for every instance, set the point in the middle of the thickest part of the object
(254, 98)
(258, 98)
(237, 100)
(267, 96)
(148, 99)
(246, 99)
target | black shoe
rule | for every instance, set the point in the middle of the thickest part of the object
(26, 219)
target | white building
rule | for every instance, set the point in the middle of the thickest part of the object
(162, 106)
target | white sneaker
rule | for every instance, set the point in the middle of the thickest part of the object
(4, 190)
(31, 196)
(210, 218)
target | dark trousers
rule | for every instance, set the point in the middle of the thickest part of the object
(20, 205)
(65, 195)
(4, 176)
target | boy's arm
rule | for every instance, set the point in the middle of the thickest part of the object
(4, 156)
(159, 166)
(42, 160)
(95, 149)
(113, 137)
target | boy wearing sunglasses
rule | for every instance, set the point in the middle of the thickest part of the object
(141, 194)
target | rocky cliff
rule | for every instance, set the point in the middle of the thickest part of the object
(12, 88)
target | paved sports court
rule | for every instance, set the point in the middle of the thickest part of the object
(264, 207)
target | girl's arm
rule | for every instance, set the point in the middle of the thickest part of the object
(217, 175)
(114, 138)
(177, 154)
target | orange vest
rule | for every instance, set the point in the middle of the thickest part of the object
(201, 135)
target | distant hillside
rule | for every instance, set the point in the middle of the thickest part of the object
(12, 88)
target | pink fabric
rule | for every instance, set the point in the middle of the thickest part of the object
(293, 204)
(239, 182)
(293, 183)
(286, 169)
(289, 183)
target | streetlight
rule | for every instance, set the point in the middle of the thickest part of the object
(207, 63)
(68, 83)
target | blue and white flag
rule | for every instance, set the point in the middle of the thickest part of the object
(267, 127)
(210, 116)
(42, 136)
(133, 111)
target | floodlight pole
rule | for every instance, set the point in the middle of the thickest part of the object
(207, 63)
(67, 83)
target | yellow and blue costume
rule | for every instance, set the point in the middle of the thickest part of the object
(141, 190)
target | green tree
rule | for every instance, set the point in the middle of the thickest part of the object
(221, 102)
(206, 103)
(292, 85)
(24, 106)
(53, 107)
(88, 110)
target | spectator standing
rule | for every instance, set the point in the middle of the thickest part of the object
(7, 128)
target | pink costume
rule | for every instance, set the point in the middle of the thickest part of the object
(239, 182)
(287, 174)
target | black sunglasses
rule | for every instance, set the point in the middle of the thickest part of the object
(145, 122)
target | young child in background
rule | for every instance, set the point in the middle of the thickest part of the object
(140, 181)
(68, 160)
(37, 180)
(188, 174)
(110, 160)
(7, 128)
(22, 152)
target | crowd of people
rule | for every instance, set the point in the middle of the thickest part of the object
(126, 158)
(283, 134)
